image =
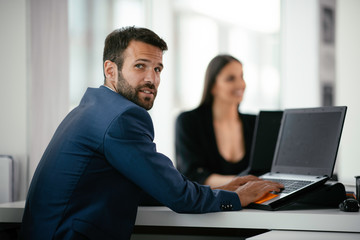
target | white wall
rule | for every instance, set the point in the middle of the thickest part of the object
(300, 69)
(299, 54)
(13, 90)
(34, 80)
(348, 86)
(48, 78)
(162, 113)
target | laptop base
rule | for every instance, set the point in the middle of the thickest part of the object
(328, 195)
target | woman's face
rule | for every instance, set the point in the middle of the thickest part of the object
(229, 84)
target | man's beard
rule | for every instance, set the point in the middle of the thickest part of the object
(131, 93)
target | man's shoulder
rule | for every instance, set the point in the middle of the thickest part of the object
(112, 100)
(104, 106)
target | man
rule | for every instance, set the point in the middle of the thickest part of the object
(102, 159)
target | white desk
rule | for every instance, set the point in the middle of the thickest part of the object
(11, 212)
(286, 235)
(323, 220)
(329, 220)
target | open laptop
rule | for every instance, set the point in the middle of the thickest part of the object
(306, 151)
(264, 142)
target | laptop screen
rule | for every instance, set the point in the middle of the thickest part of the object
(308, 141)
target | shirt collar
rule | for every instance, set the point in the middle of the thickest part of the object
(109, 88)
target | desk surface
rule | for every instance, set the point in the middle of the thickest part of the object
(329, 220)
(301, 235)
(11, 212)
(310, 220)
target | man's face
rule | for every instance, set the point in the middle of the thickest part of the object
(139, 77)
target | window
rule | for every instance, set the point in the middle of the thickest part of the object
(197, 44)
(90, 21)
(248, 30)
(195, 31)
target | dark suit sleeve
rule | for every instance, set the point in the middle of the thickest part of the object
(129, 147)
(189, 154)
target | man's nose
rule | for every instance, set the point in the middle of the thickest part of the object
(150, 76)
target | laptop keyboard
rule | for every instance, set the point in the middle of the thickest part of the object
(291, 185)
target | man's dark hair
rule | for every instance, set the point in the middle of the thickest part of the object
(117, 41)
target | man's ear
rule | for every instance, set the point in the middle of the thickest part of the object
(111, 72)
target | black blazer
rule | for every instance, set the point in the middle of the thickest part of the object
(197, 154)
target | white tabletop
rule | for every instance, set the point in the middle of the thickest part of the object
(309, 220)
(329, 220)
(286, 235)
(11, 212)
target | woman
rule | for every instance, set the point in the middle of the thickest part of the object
(213, 141)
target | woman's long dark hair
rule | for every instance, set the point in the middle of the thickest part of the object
(213, 69)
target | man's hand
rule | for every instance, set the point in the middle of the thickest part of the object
(254, 190)
(250, 188)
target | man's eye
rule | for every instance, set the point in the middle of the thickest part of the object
(139, 66)
(157, 69)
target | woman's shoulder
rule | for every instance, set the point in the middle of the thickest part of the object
(195, 113)
(195, 117)
(249, 116)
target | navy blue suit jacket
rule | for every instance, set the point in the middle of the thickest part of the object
(92, 175)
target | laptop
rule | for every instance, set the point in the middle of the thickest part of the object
(264, 142)
(305, 153)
